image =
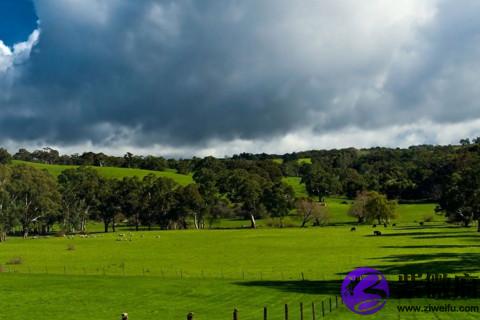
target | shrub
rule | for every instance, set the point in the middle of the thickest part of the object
(60, 234)
(71, 247)
(276, 222)
(13, 261)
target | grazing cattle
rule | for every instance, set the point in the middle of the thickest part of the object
(124, 316)
(421, 223)
(353, 229)
(374, 226)
(377, 233)
(394, 225)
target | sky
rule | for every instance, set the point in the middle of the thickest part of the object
(185, 77)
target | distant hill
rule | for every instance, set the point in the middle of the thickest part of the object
(112, 172)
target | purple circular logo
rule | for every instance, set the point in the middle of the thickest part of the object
(365, 291)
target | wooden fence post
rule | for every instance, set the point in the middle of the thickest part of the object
(265, 313)
(323, 309)
(330, 304)
(190, 316)
(336, 302)
(286, 311)
(313, 310)
(235, 314)
(301, 310)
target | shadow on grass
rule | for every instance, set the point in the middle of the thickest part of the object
(431, 226)
(346, 224)
(435, 246)
(398, 290)
(400, 264)
(450, 263)
(473, 237)
(411, 234)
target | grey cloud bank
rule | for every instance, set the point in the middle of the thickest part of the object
(191, 77)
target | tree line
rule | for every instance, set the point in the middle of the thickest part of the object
(129, 160)
(31, 200)
(246, 185)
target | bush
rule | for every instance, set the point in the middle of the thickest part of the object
(13, 261)
(71, 247)
(279, 223)
(60, 234)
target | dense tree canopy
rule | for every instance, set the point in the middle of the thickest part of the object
(5, 157)
(246, 185)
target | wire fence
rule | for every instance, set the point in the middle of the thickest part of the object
(315, 310)
(122, 269)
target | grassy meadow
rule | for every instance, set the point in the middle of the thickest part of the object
(113, 172)
(165, 274)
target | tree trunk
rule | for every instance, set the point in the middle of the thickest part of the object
(113, 225)
(478, 225)
(195, 220)
(252, 221)
(105, 223)
(83, 225)
(304, 222)
(25, 232)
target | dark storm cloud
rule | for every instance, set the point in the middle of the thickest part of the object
(183, 73)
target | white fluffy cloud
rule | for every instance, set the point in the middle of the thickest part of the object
(19, 54)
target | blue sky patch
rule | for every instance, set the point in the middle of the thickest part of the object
(17, 20)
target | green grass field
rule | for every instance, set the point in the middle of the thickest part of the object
(113, 172)
(166, 274)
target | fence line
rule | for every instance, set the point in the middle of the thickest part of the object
(180, 274)
(303, 312)
(121, 269)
